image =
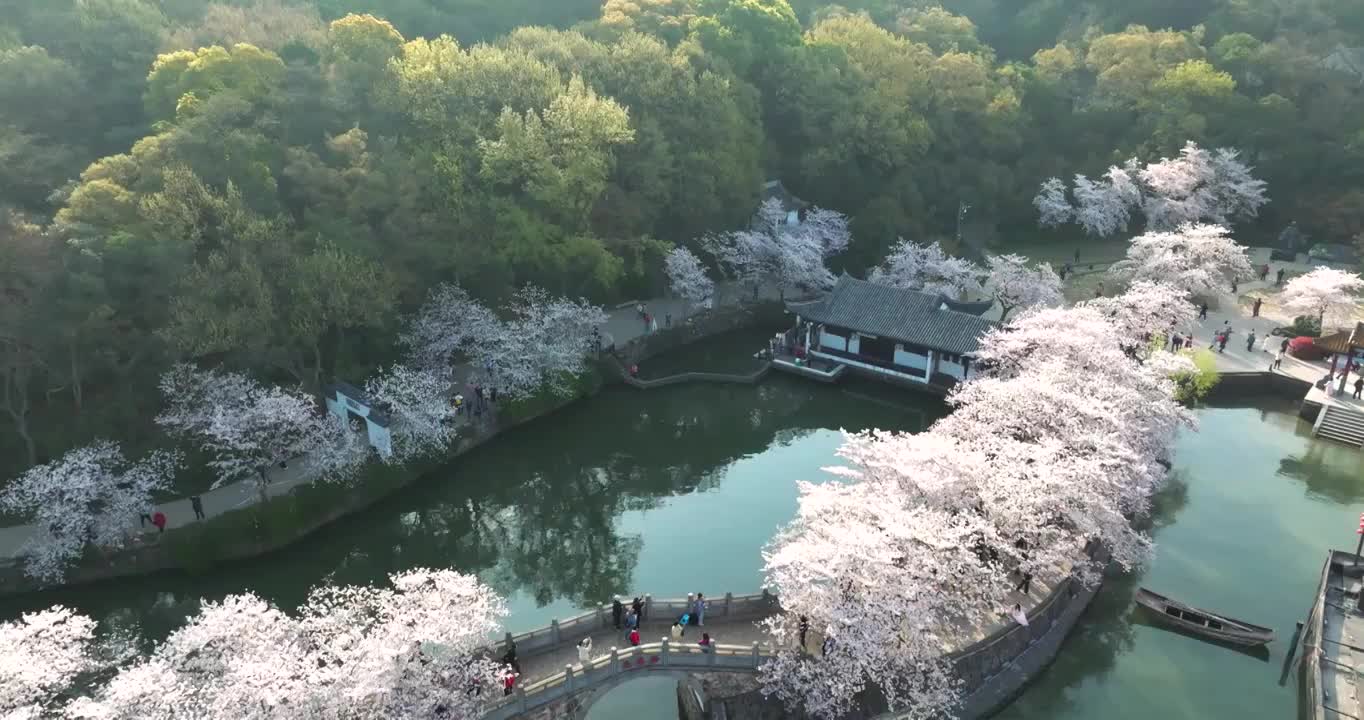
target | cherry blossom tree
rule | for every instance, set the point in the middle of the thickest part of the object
(687, 277)
(1052, 205)
(247, 427)
(546, 343)
(1324, 293)
(1017, 285)
(1145, 310)
(788, 255)
(928, 269)
(1060, 439)
(543, 342)
(92, 495)
(1198, 186)
(41, 655)
(1103, 207)
(1198, 259)
(418, 403)
(441, 331)
(412, 650)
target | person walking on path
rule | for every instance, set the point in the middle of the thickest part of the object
(196, 504)
(585, 650)
(1264, 344)
(804, 629)
(616, 611)
(1278, 360)
(1025, 584)
(1359, 386)
(1264, 272)
(667, 320)
(1203, 311)
(634, 638)
(1283, 346)
(1255, 309)
(1250, 341)
(1278, 278)
(144, 518)
(631, 620)
(698, 610)
(159, 520)
(1222, 343)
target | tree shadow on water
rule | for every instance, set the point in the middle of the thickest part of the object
(1327, 472)
(1090, 652)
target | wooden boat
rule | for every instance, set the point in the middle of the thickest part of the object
(1202, 622)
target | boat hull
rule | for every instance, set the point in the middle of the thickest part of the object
(1203, 623)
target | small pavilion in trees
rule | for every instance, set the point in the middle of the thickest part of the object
(890, 333)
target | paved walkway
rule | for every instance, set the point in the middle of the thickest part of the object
(622, 325)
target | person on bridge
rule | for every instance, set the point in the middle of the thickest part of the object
(616, 610)
(159, 520)
(634, 637)
(508, 683)
(705, 642)
(631, 619)
(678, 628)
(638, 606)
(698, 610)
(585, 650)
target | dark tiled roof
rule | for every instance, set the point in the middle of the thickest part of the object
(910, 317)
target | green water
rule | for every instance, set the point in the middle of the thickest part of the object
(1254, 506)
(666, 491)
(676, 490)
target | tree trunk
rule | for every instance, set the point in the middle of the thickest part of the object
(76, 391)
(16, 406)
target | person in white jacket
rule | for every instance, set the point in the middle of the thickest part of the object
(585, 650)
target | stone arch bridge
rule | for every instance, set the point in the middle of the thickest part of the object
(554, 682)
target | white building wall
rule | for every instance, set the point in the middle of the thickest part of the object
(910, 359)
(832, 342)
(956, 370)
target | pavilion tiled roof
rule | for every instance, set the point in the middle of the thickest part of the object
(1343, 342)
(905, 315)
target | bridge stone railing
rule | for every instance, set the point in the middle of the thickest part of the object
(611, 668)
(566, 633)
(575, 678)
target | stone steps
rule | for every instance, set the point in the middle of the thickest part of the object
(1342, 425)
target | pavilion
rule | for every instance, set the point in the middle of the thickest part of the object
(890, 333)
(1346, 343)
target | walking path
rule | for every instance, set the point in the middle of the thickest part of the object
(623, 325)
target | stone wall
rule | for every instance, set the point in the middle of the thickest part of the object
(993, 670)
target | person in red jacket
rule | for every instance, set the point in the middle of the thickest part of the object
(159, 520)
(634, 637)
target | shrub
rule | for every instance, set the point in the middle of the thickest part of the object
(1305, 326)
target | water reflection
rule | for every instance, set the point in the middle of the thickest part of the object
(1321, 470)
(563, 512)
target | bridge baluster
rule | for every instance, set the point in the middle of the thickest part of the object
(568, 678)
(755, 648)
(554, 631)
(665, 651)
(729, 602)
(615, 661)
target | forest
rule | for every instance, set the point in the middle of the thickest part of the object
(270, 185)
